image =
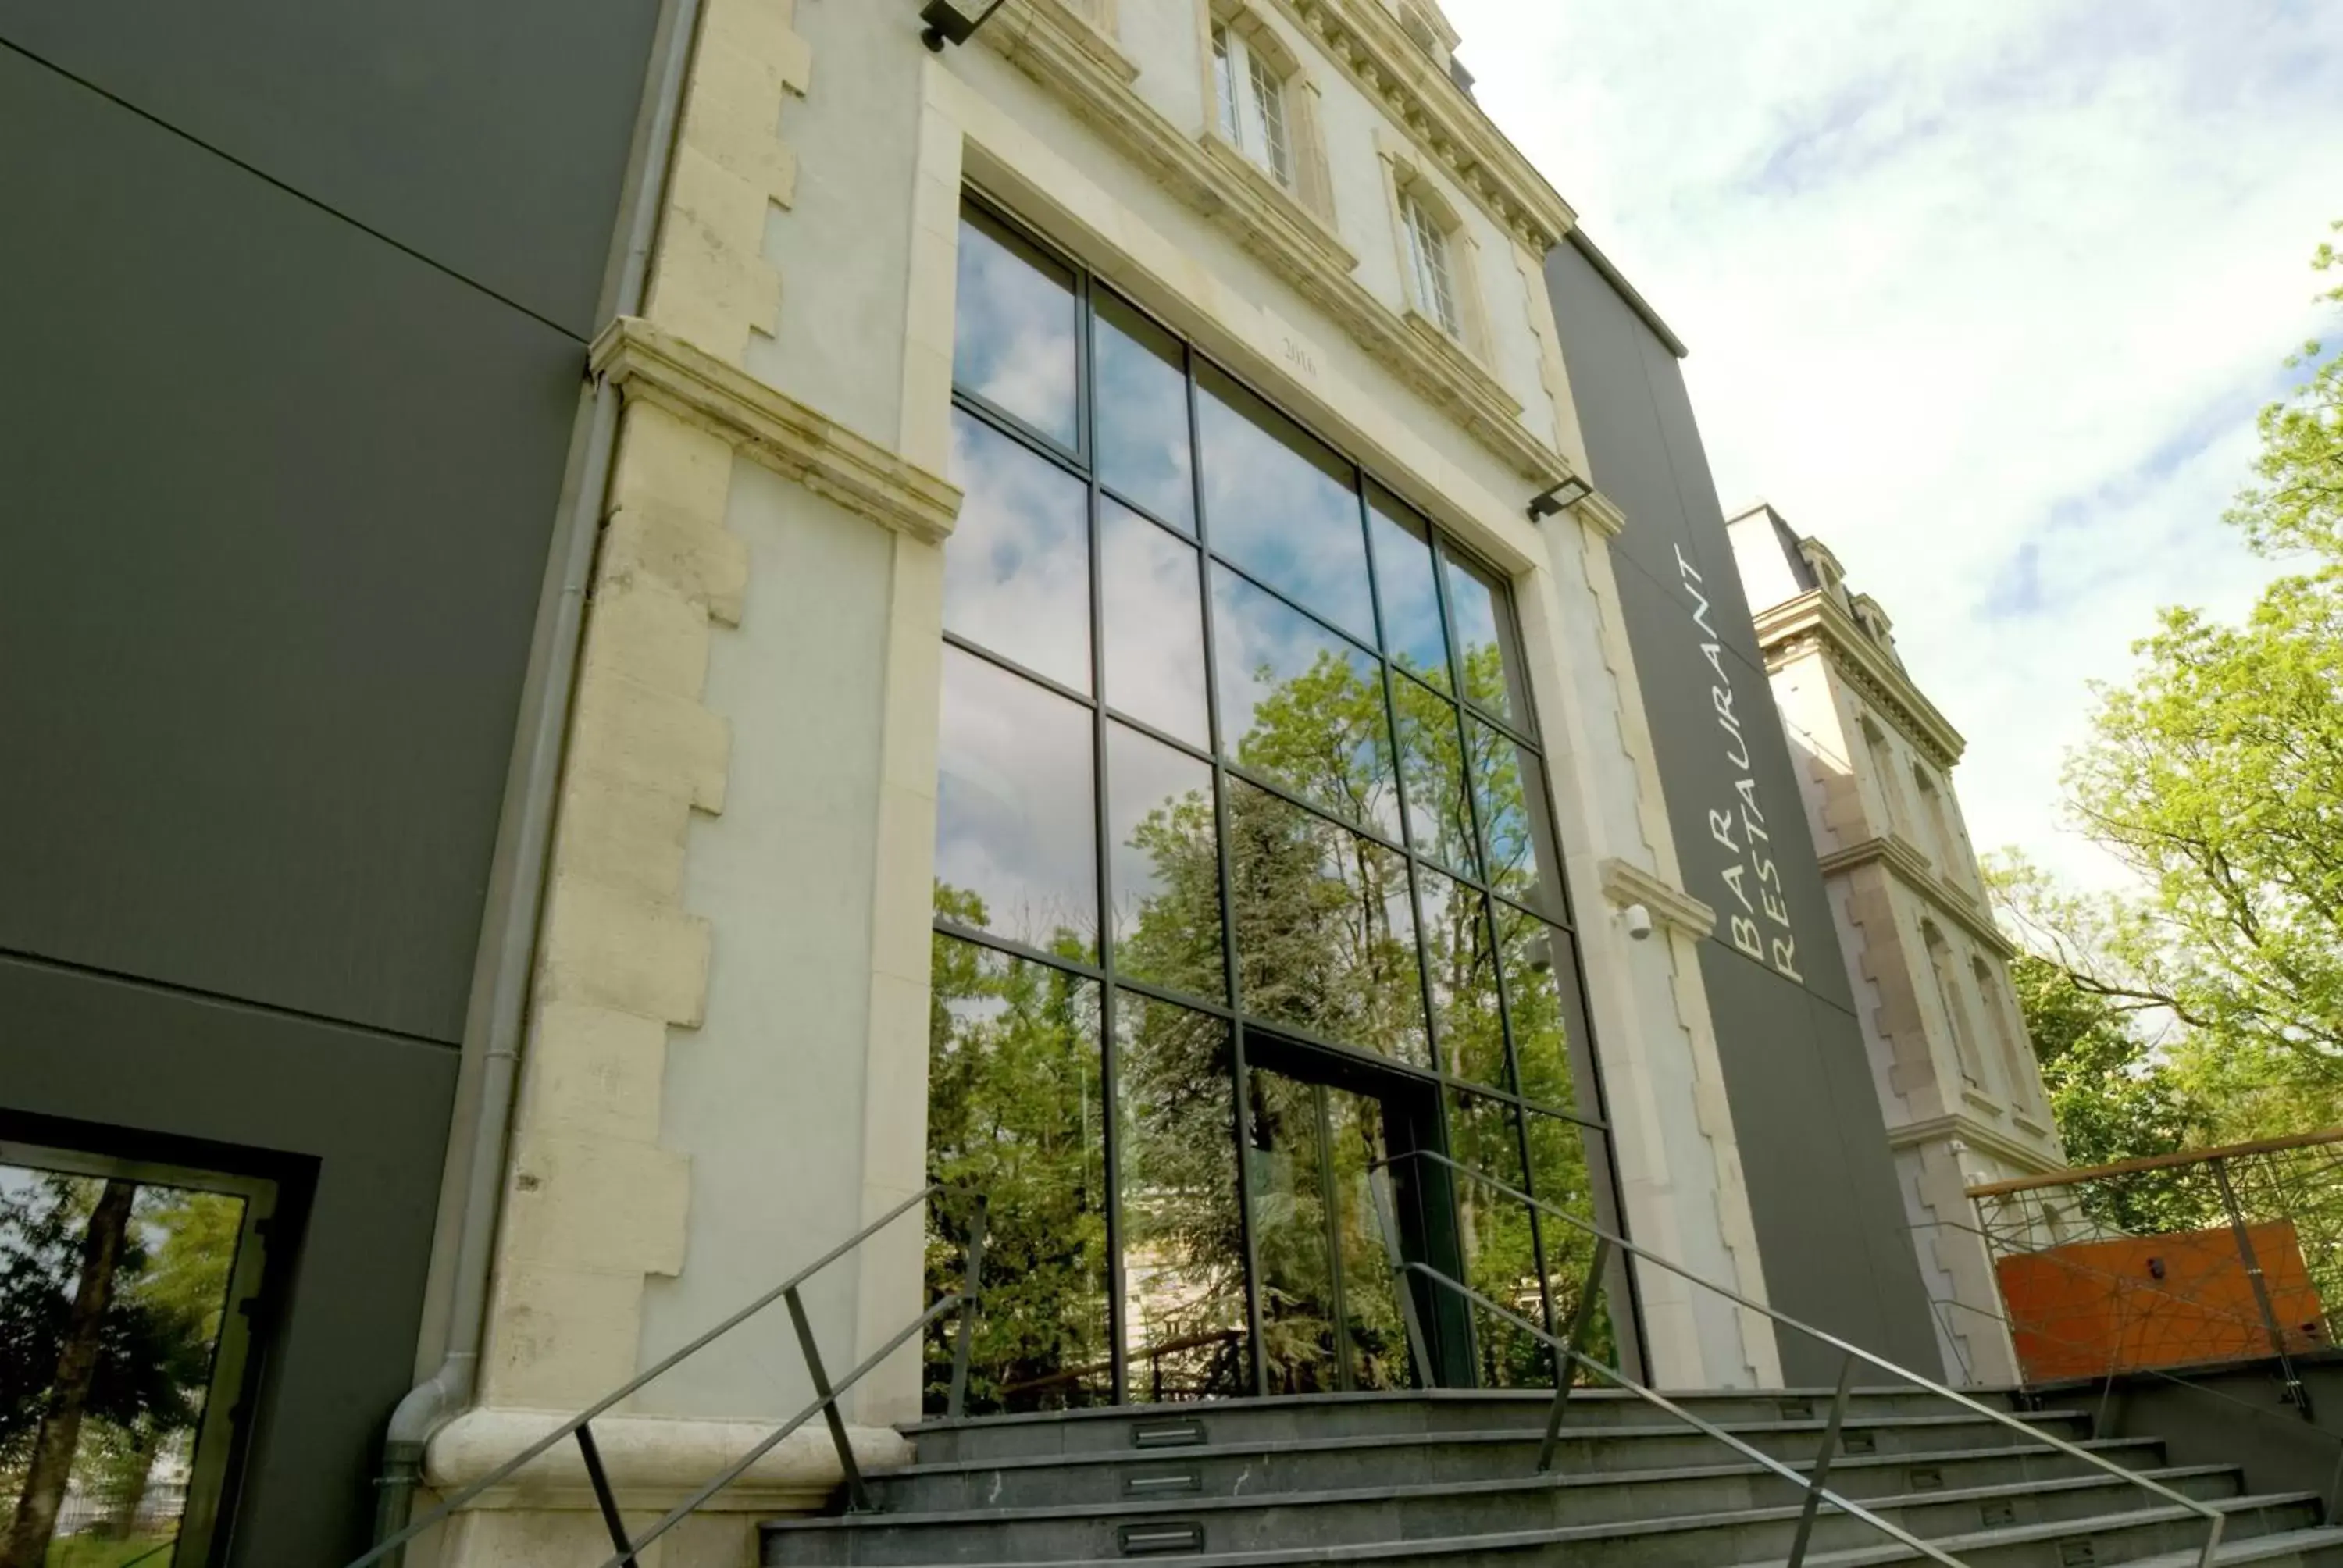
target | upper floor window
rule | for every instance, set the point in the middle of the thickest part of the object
(1427, 255)
(1252, 103)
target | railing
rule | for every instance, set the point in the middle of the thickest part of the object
(1814, 1485)
(578, 1428)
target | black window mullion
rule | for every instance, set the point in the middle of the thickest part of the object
(1234, 986)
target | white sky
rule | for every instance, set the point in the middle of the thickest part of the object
(1983, 294)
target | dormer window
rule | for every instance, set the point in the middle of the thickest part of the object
(1252, 103)
(1427, 255)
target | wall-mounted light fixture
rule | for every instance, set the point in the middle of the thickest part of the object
(1569, 493)
(952, 22)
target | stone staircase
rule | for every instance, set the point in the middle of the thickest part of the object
(1449, 1479)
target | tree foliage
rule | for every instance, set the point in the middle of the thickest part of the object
(2299, 505)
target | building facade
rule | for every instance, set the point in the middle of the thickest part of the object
(985, 622)
(1958, 1082)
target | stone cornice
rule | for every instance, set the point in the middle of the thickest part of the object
(1816, 620)
(1915, 871)
(1989, 1139)
(775, 429)
(1626, 883)
(1367, 42)
(1064, 55)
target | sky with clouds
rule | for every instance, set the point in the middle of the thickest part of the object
(1983, 294)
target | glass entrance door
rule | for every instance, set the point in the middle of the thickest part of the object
(1330, 1311)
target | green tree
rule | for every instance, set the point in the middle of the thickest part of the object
(2299, 505)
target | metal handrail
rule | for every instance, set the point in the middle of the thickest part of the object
(1816, 1491)
(579, 1428)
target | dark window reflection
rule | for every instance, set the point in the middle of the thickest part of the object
(1540, 996)
(1282, 506)
(1461, 964)
(1288, 1154)
(1413, 633)
(1325, 934)
(1014, 1110)
(1142, 413)
(1562, 1155)
(1183, 1306)
(1152, 616)
(1016, 852)
(1375, 1335)
(1163, 862)
(1497, 1243)
(1301, 705)
(1013, 327)
(1509, 784)
(1431, 761)
(1484, 642)
(1016, 567)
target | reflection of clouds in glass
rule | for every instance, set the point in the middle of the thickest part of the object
(1145, 777)
(1282, 506)
(1153, 622)
(1013, 816)
(1439, 821)
(1016, 567)
(1302, 704)
(1013, 336)
(1509, 786)
(1411, 600)
(1473, 602)
(1142, 399)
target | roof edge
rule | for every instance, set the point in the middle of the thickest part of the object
(1626, 291)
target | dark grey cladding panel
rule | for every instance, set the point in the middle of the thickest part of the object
(1822, 1184)
(277, 509)
(365, 1116)
(1733, 781)
(490, 137)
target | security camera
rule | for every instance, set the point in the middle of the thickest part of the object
(1638, 921)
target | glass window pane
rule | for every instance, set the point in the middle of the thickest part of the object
(1013, 333)
(1542, 1000)
(1016, 567)
(1484, 641)
(1374, 1334)
(1562, 1156)
(1142, 399)
(1016, 842)
(1497, 1243)
(1183, 1271)
(1152, 616)
(1509, 784)
(1280, 505)
(1466, 1021)
(1286, 1154)
(1163, 855)
(1413, 633)
(1015, 1112)
(1325, 933)
(1432, 753)
(1301, 705)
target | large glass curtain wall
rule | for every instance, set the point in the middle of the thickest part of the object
(1234, 746)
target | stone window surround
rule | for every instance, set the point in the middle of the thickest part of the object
(1405, 177)
(1309, 191)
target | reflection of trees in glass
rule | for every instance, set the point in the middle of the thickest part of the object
(110, 1302)
(1014, 1111)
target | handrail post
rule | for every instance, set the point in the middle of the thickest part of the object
(1387, 1221)
(857, 1499)
(970, 1294)
(2213, 1541)
(1590, 1295)
(1820, 1476)
(600, 1479)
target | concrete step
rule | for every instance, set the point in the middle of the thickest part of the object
(1361, 1415)
(1704, 1521)
(2279, 1530)
(1618, 1457)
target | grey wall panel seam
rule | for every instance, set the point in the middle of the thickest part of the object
(217, 998)
(291, 190)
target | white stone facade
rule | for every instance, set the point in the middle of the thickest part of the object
(726, 1067)
(1963, 1095)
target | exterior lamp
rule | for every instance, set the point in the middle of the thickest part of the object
(1569, 493)
(952, 22)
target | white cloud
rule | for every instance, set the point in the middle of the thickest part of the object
(1983, 294)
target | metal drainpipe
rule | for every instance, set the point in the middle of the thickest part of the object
(508, 935)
